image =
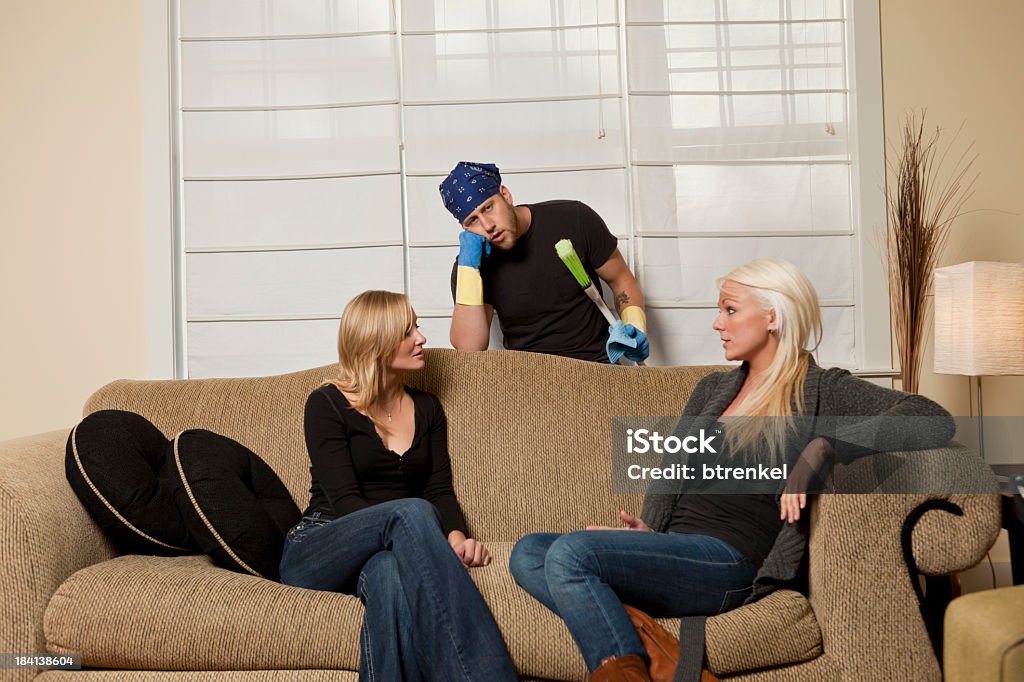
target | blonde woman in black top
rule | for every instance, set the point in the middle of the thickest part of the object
(383, 521)
(702, 554)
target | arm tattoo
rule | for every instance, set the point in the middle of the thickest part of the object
(621, 300)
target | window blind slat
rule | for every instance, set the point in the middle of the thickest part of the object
(241, 349)
(276, 143)
(743, 198)
(296, 212)
(218, 18)
(288, 72)
(731, 10)
(431, 289)
(539, 64)
(529, 135)
(462, 15)
(277, 283)
(685, 270)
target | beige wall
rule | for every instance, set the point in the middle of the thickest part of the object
(71, 207)
(962, 62)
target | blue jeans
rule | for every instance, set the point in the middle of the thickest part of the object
(585, 576)
(424, 618)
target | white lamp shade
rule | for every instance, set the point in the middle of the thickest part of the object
(979, 319)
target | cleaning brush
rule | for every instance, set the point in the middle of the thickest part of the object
(567, 253)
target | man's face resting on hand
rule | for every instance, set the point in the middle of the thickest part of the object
(495, 220)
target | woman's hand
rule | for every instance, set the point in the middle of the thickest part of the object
(808, 465)
(791, 504)
(470, 552)
(632, 523)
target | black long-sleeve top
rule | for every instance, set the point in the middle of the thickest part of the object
(351, 469)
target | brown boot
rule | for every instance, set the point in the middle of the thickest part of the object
(621, 669)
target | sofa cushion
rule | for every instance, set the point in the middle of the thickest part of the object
(113, 461)
(779, 629)
(234, 505)
(185, 614)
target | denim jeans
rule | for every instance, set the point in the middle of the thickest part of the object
(424, 618)
(585, 576)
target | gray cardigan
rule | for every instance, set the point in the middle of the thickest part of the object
(827, 393)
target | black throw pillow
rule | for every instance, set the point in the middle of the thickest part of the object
(236, 508)
(113, 461)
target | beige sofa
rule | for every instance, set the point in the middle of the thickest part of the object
(530, 443)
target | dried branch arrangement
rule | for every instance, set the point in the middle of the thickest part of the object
(922, 201)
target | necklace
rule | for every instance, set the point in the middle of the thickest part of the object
(388, 412)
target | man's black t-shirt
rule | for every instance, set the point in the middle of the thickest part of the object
(540, 306)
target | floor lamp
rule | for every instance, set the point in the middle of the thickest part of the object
(979, 323)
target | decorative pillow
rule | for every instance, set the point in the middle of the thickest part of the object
(234, 505)
(113, 461)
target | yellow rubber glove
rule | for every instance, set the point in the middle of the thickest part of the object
(469, 288)
(635, 316)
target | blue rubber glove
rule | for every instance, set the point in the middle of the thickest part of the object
(472, 249)
(625, 339)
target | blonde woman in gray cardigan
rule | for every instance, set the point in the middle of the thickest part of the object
(702, 554)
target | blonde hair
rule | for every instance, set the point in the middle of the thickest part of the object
(372, 326)
(777, 285)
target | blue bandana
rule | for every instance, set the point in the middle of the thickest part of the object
(469, 185)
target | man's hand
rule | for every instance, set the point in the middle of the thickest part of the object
(472, 249)
(632, 523)
(627, 340)
(469, 288)
(470, 552)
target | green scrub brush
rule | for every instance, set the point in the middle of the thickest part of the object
(567, 253)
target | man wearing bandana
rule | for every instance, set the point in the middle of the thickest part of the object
(507, 263)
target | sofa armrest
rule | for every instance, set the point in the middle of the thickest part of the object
(859, 584)
(46, 536)
(945, 543)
